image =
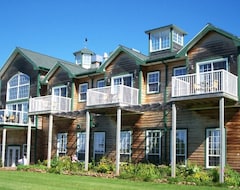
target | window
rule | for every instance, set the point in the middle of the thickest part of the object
(61, 144)
(24, 150)
(18, 87)
(153, 145)
(81, 139)
(124, 80)
(18, 112)
(60, 91)
(86, 60)
(181, 146)
(212, 65)
(179, 71)
(213, 148)
(125, 141)
(177, 37)
(100, 83)
(160, 40)
(153, 82)
(99, 145)
(83, 91)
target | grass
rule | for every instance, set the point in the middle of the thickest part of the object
(18, 180)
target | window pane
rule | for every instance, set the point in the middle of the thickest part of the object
(83, 91)
(213, 146)
(153, 82)
(125, 140)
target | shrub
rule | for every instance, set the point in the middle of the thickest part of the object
(232, 177)
(105, 166)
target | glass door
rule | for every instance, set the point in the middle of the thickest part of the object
(13, 155)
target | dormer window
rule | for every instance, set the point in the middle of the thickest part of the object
(160, 40)
(86, 61)
(178, 38)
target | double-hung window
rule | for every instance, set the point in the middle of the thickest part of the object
(178, 71)
(153, 146)
(81, 139)
(99, 145)
(153, 82)
(212, 148)
(83, 92)
(125, 145)
(100, 83)
(61, 144)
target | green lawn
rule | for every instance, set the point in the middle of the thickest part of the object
(17, 180)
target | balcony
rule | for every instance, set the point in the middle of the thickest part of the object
(49, 104)
(205, 85)
(118, 95)
(13, 117)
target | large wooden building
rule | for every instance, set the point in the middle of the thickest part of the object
(179, 103)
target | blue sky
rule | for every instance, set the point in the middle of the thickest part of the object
(58, 27)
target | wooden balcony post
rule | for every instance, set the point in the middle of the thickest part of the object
(222, 140)
(50, 140)
(118, 141)
(4, 145)
(87, 140)
(173, 143)
(29, 140)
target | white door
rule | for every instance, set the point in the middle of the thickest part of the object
(13, 155)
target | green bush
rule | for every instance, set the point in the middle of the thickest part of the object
(232, 177)
(105, 166)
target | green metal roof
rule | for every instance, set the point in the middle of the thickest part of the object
(209, 27)
(138, 56)
(84, 51)
(167, 27)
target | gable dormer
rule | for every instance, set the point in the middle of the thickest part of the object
(165, 39)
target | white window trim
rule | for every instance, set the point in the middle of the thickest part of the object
(211, 62)
(100, 81)
(207, 147)
(79, 92)
(130, 143)
(18, 86)
(160, 41)
(122, 76)
(64, 149)
(147, 143)
(60, 87)
(178, 68)
(83, 138)
(185, 146)
(157, 91)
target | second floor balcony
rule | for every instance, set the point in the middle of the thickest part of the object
(13, 117)
(49, 104)
(204, 85)
(112, 95)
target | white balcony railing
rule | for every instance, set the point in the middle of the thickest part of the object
(13, 117)
(49, 104)
(204, 83)
(118, 94)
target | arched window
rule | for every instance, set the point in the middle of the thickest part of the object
(18, 87)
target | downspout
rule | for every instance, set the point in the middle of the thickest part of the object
(164, 109)
(238, 71)
(72, 94)
(140, 86)
(36, 125)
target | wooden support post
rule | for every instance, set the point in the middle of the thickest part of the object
(87, 140)
(50, 140)
(173, 144)
(29, 140)
(118, 131)
(222, 140)
(4, 146)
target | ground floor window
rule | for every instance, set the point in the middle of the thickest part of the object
(153, 146)
(212, 148)
(81, 139)
(61, 144)
(99, 145)
(24, 150)
(181, 146)
(125, 145)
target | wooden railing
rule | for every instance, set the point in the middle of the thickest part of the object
(13, 117)
(118, 94)
(49, 104)
(205, 83)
